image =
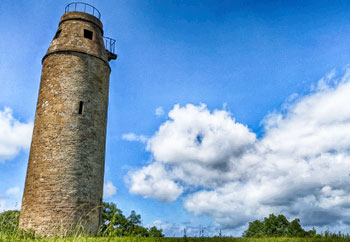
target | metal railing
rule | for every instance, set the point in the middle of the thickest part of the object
(109, 44)
(83, 7)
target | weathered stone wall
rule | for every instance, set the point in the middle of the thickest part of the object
(64, 180)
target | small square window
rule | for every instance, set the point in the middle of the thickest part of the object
(88, 34)
(58, 33)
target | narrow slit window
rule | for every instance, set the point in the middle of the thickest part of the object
(58, 33)
(88, 34)
(81, 107)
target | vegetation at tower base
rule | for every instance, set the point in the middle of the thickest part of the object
(114, 223)
(9, 221)
(277, 226)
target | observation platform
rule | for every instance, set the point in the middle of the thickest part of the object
(89, 9)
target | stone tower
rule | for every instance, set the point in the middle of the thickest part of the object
(64, 183)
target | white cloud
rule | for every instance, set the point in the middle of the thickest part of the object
(169, 229)
(134, 137)
(13, 191)
(300, 167)
(159, 111)
(11, 200)
(14, 135)
(9, 204)
(153, 181)
(2, 205)
(200, 145)
(109, 190)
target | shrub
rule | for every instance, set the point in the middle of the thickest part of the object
(9, 221)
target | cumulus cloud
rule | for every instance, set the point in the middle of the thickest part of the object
(300, 167)
(134, 137)
(153, 181)
(200, 145)
(109, 190)
(14, 135)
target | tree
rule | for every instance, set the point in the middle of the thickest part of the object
(133, 220)
(255, 229)
(114, 223)
(154, 232)
(276, 227)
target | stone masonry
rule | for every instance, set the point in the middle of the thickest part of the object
(64, 183)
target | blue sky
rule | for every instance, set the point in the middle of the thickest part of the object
(265, 66)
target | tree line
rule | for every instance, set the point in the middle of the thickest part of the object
(279, 226)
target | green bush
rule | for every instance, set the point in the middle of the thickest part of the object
(9, 221)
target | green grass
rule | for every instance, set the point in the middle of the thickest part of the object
(16, 237)
(9, 232)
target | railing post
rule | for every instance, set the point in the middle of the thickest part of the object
(78, 6)
(109, 44)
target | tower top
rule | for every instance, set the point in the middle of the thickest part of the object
(81, 30)
(91, 14)
(82, 7)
